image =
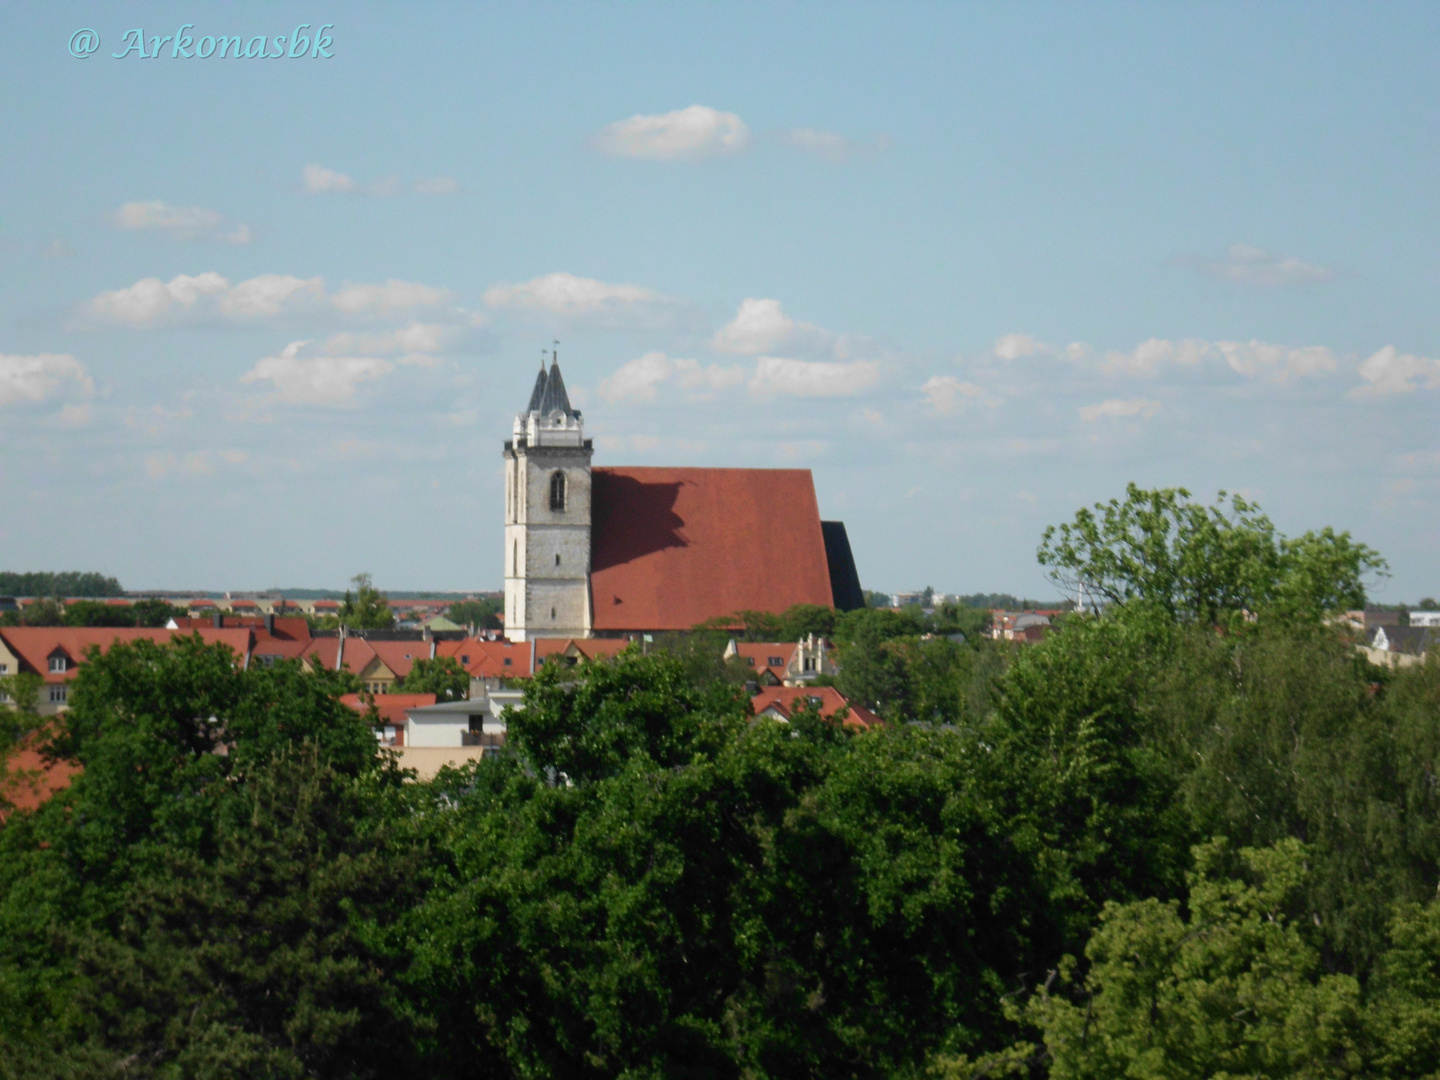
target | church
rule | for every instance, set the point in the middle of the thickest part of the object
(615, 552)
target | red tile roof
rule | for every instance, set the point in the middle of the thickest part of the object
(486, 659)
(28, 779)
(391, 707)
(589, 648)
(674, 547)
(758, 655)
(33, 645)
(292, 627)
(781, 701)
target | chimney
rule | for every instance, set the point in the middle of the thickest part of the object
(219, 621)
(340, 649)
(270, 624)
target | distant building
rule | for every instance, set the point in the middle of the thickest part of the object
(781, 702)
(784, 663)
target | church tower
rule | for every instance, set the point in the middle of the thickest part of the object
(547, 517)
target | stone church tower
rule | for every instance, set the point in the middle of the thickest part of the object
(547, 517)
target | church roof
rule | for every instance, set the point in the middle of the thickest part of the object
(538, 393)
(674, 547)
(554, 396)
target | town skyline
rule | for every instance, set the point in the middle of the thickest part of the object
(973, 268)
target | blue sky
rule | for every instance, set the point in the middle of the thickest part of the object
(265, 322)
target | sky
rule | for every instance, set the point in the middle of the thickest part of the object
(266, 321)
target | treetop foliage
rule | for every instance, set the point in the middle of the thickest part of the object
(66, 583)
(1210, 564)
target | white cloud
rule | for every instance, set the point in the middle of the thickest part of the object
(436, 185)
(762, 326)
(322, 181)
(269, 295)
(1251, 359)
(388, 297)
(832, 147)
(151, 302)
(316, 380)
(417, 343)
(1279, 362)
(584, 300)
(1014, 346)
(944, 393)
(180, 222)
(1243, 264)
(32, 379)
(639, 379)
(1389, 371)
(75, 415)
(813, 378)
(1148, 356)
(684, 135)
(1115, 409)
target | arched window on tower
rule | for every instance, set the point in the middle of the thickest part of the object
(557, 491)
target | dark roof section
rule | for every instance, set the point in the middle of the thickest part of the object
(538, 392)
(674, 547)
(555, 397)
(1413, 640)
(844, 578)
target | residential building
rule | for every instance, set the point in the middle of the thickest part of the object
(783, 663)
(390, 712)
(780, 703)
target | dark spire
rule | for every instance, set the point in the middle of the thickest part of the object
(555, 396)
(539, 391)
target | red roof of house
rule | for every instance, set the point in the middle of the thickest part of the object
(391, 707)
(486, 659)
(29, 779)
(674, 547)
(589, 648)
(758, 655)
(33, 645)
(781, 701)
(292, 627)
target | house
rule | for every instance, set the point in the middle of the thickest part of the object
(390, 712)
(56, 653)
(456, 732)
(780, 702)
(1023, 626)
(1408, 641)
(489, 660)
(1425, 618)
(784, 664)
(573, 650)
(611, 551)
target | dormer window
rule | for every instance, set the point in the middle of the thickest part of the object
(557, 491)
(59, 663)
(776, 661)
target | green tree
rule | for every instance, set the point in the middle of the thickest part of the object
(484, 613)
(97, 613)
(42, 612)
(443, 677)
(368, 608)
(1157, 549)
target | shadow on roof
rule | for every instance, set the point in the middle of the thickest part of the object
(644, 516)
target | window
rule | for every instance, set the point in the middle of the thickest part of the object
(557, 558)
(557, 491)
(750, 660)
(552, 613)
(507, 661)
(773, 661)
(809, 664)
(4, 669)
(59, 663)
(465, 659)
(815, 701)
(57, 695)
(515, 559)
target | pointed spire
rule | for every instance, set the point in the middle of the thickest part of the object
(539, 391)
(555, 396)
